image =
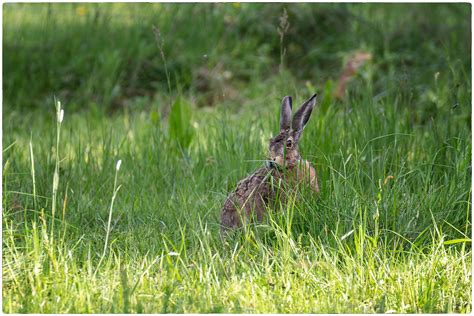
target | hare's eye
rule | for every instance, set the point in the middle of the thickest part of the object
(289, 143)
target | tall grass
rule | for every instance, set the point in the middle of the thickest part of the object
(389, 232)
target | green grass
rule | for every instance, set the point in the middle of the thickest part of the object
(389, 232)
(107, 54)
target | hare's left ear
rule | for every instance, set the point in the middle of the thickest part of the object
(303, 114)
(285, 115)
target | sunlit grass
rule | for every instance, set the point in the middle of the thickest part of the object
(390, 231)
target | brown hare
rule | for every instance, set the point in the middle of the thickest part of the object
(284, 168)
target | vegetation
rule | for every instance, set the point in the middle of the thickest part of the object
(186, 96)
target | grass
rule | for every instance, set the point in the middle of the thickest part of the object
(107, 54)
(389, 232)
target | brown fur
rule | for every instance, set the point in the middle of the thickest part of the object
(306, 175)
(251, 194)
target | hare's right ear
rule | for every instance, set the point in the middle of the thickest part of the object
(285, 115)
(302, 115)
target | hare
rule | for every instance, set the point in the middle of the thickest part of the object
(284, 166)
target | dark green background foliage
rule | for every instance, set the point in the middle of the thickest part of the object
(109, 54)
(187, 96)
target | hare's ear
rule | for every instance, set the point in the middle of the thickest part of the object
(303, 114)
(285, 115)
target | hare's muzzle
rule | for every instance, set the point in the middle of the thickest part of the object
(270, 164)
(274, 163)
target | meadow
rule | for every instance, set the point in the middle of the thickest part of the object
(113, 206)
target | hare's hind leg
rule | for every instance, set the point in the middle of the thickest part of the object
(230, 217)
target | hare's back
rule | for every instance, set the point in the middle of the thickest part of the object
(250, 194)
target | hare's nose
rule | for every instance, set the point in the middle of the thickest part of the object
(271, 163)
